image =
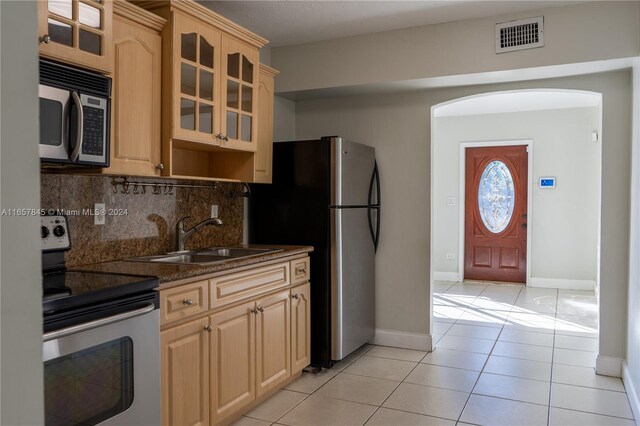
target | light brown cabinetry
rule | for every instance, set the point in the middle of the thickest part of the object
(253, 343)
(210, 97)
(233, 358)
(137, 77)
(273, 341)
(77, 32)
(264, 152)
(300, 327)
(185, 374)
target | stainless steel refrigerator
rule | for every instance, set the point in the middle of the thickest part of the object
(326, 193)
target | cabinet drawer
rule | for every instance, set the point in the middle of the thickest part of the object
(234, 287)
(300, 270)
(184, 301)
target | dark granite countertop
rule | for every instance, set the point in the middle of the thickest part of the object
(172, 272)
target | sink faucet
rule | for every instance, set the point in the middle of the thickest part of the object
(182, 235)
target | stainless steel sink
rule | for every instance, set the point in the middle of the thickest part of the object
(206, 256)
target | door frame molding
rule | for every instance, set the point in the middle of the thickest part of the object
(461, 198)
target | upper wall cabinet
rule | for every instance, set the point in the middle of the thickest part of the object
(264, 153)
(210, 93)
(77, 32)
(239, 95)
(135, 107)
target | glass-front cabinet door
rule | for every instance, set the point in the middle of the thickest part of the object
(239, 95)
(196, 66)
(77, 32)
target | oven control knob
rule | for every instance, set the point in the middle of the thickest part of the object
(58, 231)
(44, 231)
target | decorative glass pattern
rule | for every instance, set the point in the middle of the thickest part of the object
(496, 196)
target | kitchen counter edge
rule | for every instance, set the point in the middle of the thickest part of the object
(167, 273)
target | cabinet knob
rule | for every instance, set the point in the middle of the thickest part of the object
(159, 166)
(45, 39)
(301, 270)
(253, 311)
(208, 329)
(261, 309)
(226, 138)
(188, 302)
(294, 296)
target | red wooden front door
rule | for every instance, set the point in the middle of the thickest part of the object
(496, 214)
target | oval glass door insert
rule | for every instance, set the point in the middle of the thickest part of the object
(496, 196)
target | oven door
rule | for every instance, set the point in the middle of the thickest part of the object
(106, 373)
(55, 106)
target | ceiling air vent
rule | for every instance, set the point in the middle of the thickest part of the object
(519, 35)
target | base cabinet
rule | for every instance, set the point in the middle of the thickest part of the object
(300, 327)
(220, 364)
(273, 346)
(185, 374)
(233, 382)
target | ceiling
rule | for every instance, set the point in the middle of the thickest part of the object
(286, 23)
(518, 101)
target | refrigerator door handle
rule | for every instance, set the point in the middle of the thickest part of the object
(375, 180)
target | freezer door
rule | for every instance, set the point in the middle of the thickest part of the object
(352, 166)
(352, 281)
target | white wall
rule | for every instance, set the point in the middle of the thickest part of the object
(21, 390)
(581, 33)
(284, 119)
(632, 359)
(564, 221)
(398, 126)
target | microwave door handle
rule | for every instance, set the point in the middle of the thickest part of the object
(76, 151)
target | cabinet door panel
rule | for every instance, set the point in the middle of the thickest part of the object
(300, 327)
(185, 374)
(240, 64)
(264, 150)
(135, 141)
(273, 347)
(196, 79)
(77, 33)
(232, 360)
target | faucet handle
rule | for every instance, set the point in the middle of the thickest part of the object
(180, 223)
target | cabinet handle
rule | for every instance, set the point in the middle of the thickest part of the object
(253, 311)
(159, 166)
(208, 329)
(219, 136)
(188, 302)
(261, 309)
(225, 138)
(294, 296)
(301, 270)
(45, 39)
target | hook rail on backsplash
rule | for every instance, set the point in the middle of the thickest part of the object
(128, 186)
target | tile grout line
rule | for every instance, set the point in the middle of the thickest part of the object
(483, 367)
(553, 354)
(321, 386)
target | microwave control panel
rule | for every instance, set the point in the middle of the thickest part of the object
(54, 233)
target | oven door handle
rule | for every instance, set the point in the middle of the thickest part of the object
(52, 335)
(76, 150)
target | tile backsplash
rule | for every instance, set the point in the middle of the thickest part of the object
(141, 224)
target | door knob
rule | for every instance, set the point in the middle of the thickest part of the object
(524, 226)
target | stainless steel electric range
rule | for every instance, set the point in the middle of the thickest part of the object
(101, 341)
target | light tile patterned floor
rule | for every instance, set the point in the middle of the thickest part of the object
(505, 355)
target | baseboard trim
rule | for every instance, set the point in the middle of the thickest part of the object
(562, 283)
(401, 339)
(445, 276)
(609, 366)
(632, 395)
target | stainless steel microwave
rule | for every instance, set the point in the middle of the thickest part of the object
(75, 108)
